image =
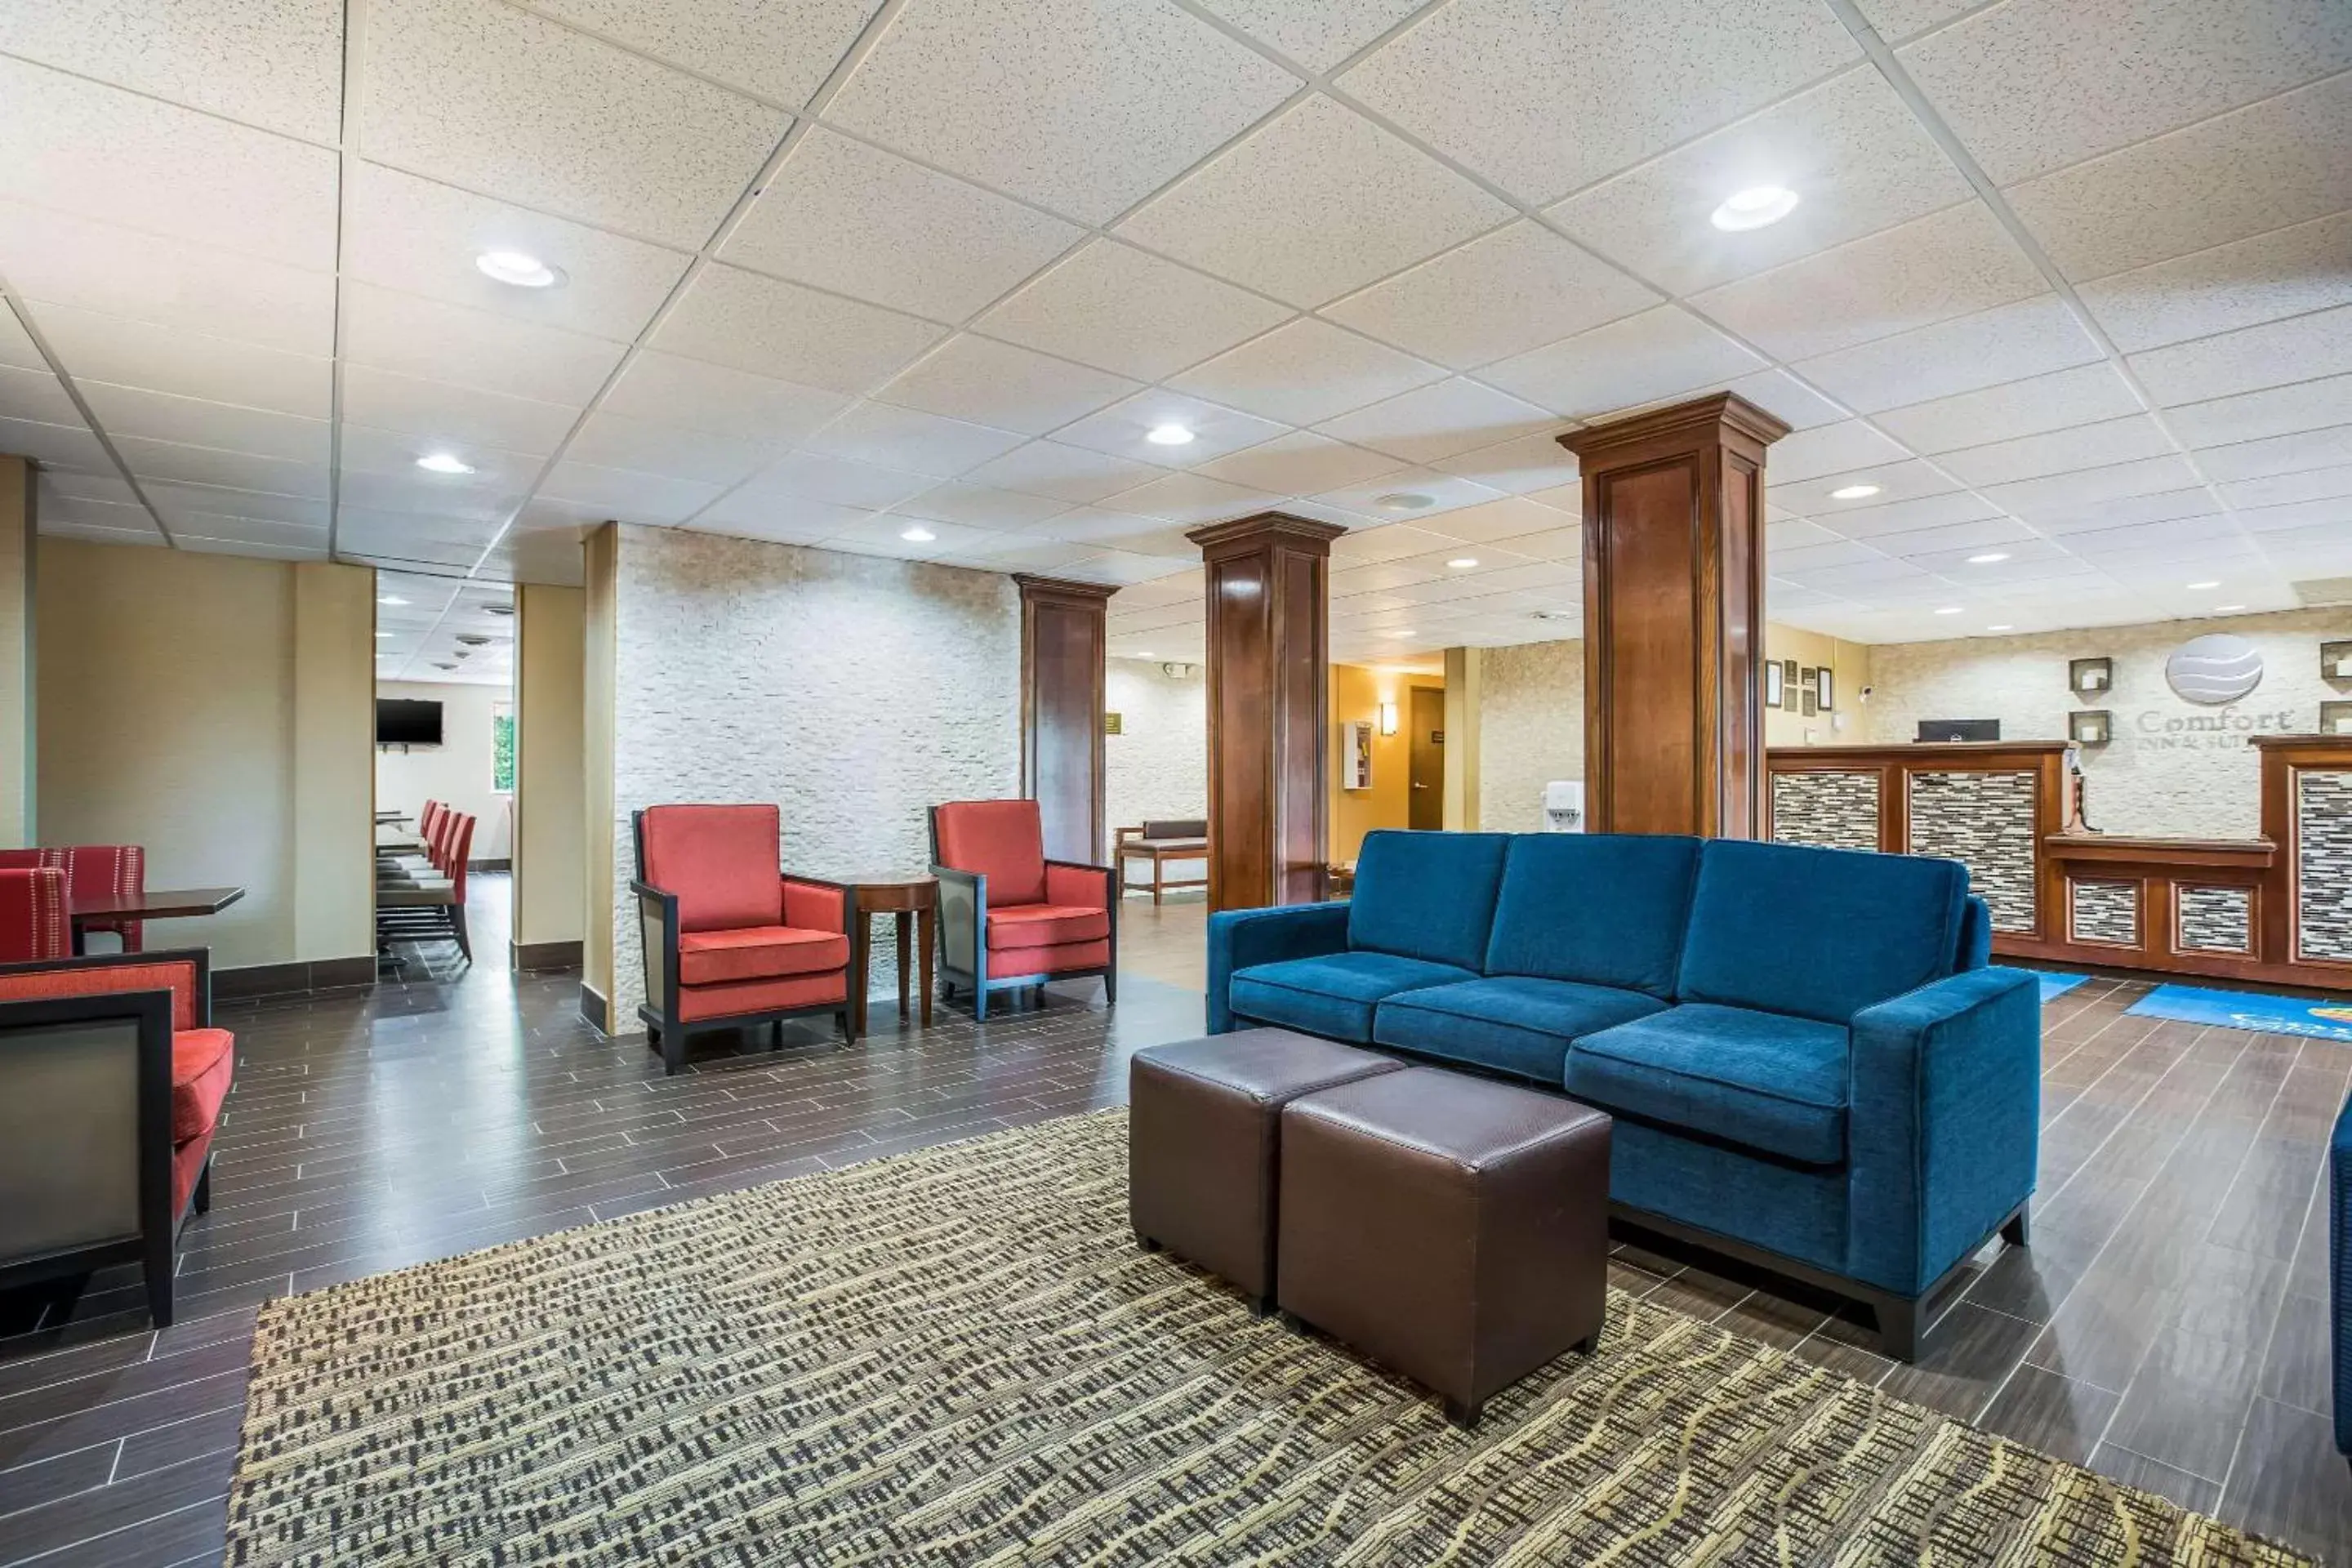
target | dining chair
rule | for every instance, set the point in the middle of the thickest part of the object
(421, 908)
(108, 870)
(33, 923)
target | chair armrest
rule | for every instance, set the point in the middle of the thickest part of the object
(811, 903)
(1944, 1113)
(1241, 938)
(963, 918)
(1076, 883)
(657, 939)
(171, 969)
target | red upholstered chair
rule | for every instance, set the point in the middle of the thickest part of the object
(111, 1080)
(108, 870)
(729, 939)
(1010, 917)
(27, 859)
(33, 923)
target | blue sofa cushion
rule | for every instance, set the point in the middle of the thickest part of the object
(1333, 995)
(1427, 895)
(1511, 1023)
(1764, 1081)
(1606, 908)
(1819, 933)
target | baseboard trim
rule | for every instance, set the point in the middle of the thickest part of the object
(282, 979)
(595, 1009)
(532, 956)
(501, 865)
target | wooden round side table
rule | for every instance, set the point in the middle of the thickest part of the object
(909, 900)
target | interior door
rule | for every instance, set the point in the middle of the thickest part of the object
(1426, 796)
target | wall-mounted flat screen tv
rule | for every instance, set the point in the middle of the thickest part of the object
(1959, 730)
(404, 721)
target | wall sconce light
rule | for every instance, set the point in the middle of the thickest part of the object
(1388, 718)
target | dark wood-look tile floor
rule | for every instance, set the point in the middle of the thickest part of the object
(2167, 1327)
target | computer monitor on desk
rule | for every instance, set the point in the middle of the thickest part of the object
(1938, 730)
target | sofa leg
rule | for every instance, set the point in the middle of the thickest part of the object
(2019, 1230)
(1898, 1326)
(159, 1277)
(1463, 1414)
(201, 1200)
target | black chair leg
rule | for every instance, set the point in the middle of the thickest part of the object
(1110, 987)
(159, 1277)
(457, 925)
(202, 1200)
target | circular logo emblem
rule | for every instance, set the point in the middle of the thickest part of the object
(2214, 670)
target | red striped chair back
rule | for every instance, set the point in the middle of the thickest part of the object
(108, 870)
(33, 915)
(26, 860)
(460, 846)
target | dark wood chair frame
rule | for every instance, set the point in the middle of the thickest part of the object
(657, 931)
(963, 928)
(155, 1246)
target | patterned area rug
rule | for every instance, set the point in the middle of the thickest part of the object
(959, 1356)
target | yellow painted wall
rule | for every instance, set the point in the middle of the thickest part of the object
(550, 764)
(1356, 692)
(1850, 665)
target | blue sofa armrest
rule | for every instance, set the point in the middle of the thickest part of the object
(1945, 1114)
(1240, 938)
(2339, 1270)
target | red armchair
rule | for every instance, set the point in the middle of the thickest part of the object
(1008, 916)
(33, 922)
(730, 941)
(112, 1081)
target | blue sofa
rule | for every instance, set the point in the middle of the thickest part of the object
(1812, 1065)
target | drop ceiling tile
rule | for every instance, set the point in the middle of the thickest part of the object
(2028, 408)
(1439, 421)
(192, 530)
(725, 402)
(628, 497)
(2323, 513)
(498, 101)
(165, 359)
(887, 536)
(1828, 450)
(36, 396)
(2011, 342)
(674, 451)
(2266, 167)
(192, 421)
(496, 474)
(1315, 203)
(1082, 108)
(776, 328)
(123, 158)
(59, 258)
(1790, 400)
(1513, 517)
(1122, 567)
(1517, 289)
(1061, 472)
(2108, 442)
(2303, 349)
(2034, 85)
(1641, 359)
(201, 57)
(1532, 462)
(55, 511)
(420, 237)
(805, 476)
(1909, 479)
(209, 465)
(1951, 263)
(1965, 539)
(990, 383)
(410, 335)
(1382, 541)
(1589, 90)
(777, 49)
(1300, 463)
(2290, 272)
(1122, 429)
(176, 502)
(1114, 307)
(247, 547)
(2271, 455)
(1858, 521)
(453, 417)
(2064, 494)
(2283, 489)
(1100, 526)
(1191, 499)
(1306, 371)
(1895, 20)
(1850, 148)
(1037, 556)
(1445, 493)
(977, 505)
(755, 513)
(909, 439)
(1321, 34)
(2118, 510)
(859, 221)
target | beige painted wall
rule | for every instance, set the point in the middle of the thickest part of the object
(1464, 709)
(171, 715)
(599, 613)
(551, 762)
(1356, 692)
(1531, 730)
(18, 701)
(1850, 671)
(2174, 768)
(459, 771)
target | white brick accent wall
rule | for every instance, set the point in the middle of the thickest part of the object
(1158, 765)
(854, 692)
(1531, 730)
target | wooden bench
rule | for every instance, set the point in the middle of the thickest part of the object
(1181, 838)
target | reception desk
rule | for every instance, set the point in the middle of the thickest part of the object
(2273, 910)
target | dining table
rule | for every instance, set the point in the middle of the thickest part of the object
(153, 904)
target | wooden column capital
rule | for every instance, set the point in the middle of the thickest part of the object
(1064, 641)
(1674, 617)
(1268, 588)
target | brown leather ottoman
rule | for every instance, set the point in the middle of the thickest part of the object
(1203, 1123)
(1451, 1228)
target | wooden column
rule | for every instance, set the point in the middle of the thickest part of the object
(1063, 643)
(1269, 669)
(1674, 617)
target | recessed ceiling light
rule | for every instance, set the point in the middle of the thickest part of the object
(2198, 586)
(515, 266)
(379, 636)
(1999, 626)
(1949, 610)
(1854, 492)
(2225, 609)
(443, 463)
(1403, 501)
(1169, 436)
(1989, 557)
(1755, 207)
(499, 607)
(1463, 563)
(392, 599)
(917, 534)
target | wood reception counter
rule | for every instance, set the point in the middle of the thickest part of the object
(2274, 910)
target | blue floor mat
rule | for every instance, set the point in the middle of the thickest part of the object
(2249, 1010)
(2056, 985)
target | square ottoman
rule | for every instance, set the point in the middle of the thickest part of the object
(1202, 1121)
(1453, 1228)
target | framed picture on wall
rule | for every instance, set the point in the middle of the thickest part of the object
(1789, 675)
(1825, 688)
(1774, 685)
(1812, 702)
